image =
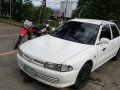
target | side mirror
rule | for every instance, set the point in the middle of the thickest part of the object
(104, 41)
(53, 28)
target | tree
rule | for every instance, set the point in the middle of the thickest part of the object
(100, 9)
(20, 10)
(4, 7)
(39, 14)
(17, 7)
(81, 5)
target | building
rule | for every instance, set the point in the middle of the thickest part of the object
(66, 8)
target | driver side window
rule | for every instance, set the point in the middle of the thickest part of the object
(105, 33)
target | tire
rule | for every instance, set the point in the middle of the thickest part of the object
(83, 76)
(18, 42)
(117, 56)
(38, 34)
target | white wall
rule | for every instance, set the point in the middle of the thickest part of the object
(69, 8)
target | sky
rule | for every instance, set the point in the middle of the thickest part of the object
(55, 4)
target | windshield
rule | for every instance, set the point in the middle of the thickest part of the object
(79, 32)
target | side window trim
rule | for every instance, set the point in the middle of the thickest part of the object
(117, 29)
(105, 24)
(112, 31)
(98, 35)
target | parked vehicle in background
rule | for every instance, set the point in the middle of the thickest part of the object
(70, 53)
(30, 30)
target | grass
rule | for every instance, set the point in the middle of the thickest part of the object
(54, 23)
(11, 22)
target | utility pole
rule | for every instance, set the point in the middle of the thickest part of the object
(66, 9)
(0, 8)
(39, 16)
(10, 10)
(80, 14)
(44, 10)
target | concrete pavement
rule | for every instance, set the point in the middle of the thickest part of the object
(107, 77)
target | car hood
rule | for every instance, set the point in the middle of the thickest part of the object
(51, 49)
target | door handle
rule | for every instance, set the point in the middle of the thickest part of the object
(103, 49)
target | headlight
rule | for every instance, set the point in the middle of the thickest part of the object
(19, 51)
(58, 67)
(66, 68)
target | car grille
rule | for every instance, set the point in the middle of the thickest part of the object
(39, 75)
(47, 78)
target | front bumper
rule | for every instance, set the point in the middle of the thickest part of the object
(47, 76)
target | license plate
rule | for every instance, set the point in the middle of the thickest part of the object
(29, 70)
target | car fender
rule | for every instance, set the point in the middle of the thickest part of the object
(80, 59)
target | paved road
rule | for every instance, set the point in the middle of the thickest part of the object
(106, 77)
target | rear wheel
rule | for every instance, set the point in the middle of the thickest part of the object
(83, 76)
(18, 42)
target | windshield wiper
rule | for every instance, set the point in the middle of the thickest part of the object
(79, 41)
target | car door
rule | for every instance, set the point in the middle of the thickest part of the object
(115, 38)
(104, 50)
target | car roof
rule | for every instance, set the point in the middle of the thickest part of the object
(93, 21)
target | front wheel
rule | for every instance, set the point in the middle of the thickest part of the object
(83, 76)
(18, 42)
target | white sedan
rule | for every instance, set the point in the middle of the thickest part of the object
(70, 53)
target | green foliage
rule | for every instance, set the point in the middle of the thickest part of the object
(40, 15)
(99, 9)
(4, 8)
(20, 10)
